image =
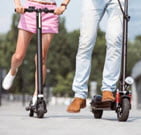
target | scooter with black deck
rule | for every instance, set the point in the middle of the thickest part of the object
(40, 107)
(122, 103)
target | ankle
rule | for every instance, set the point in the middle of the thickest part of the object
(13, 71)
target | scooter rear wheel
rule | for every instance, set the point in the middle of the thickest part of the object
(31, 113)
(97, 113)
(123, 111)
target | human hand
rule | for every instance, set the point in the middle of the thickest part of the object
(59, 10)
(19, 9)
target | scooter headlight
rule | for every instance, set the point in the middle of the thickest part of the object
(129, 80)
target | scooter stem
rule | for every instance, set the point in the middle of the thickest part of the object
(124, 46)
(39, 53)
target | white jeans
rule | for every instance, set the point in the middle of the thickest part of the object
(92, 12)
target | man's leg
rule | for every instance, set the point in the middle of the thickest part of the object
(88, 32)
(112, 65)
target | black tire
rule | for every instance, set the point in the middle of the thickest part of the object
(40, 110)
(97, 114)
(123, 111)
(31, 113)
(40, 113)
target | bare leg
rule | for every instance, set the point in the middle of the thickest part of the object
(46, 40)
(24, 38)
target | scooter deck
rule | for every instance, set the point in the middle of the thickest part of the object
(104, 105)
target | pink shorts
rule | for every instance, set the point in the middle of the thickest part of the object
(50, 21)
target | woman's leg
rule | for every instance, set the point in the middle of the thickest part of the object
(46, 40)
(24, 38)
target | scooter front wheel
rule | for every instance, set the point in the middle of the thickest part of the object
(41, 109)
(40, 113)
(123, 111)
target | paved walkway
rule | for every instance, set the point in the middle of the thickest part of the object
(14, 120)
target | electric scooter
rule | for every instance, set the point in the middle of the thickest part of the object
(122, 103)
(40, 107)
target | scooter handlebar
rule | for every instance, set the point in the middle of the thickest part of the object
(47, 10)
(33, 9)
(30, 9)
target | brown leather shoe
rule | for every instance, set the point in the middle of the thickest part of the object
(107, 96)
(76, 105)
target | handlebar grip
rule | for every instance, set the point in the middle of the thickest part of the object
(47, 10)
(30, 9)
(51, 11)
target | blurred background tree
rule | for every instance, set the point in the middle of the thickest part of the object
(61, 59)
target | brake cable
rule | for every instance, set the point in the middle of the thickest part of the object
(123, 12)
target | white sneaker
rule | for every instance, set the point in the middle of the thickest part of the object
(8, 81)
(34, 100)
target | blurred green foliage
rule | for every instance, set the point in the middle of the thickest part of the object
(61, 59)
